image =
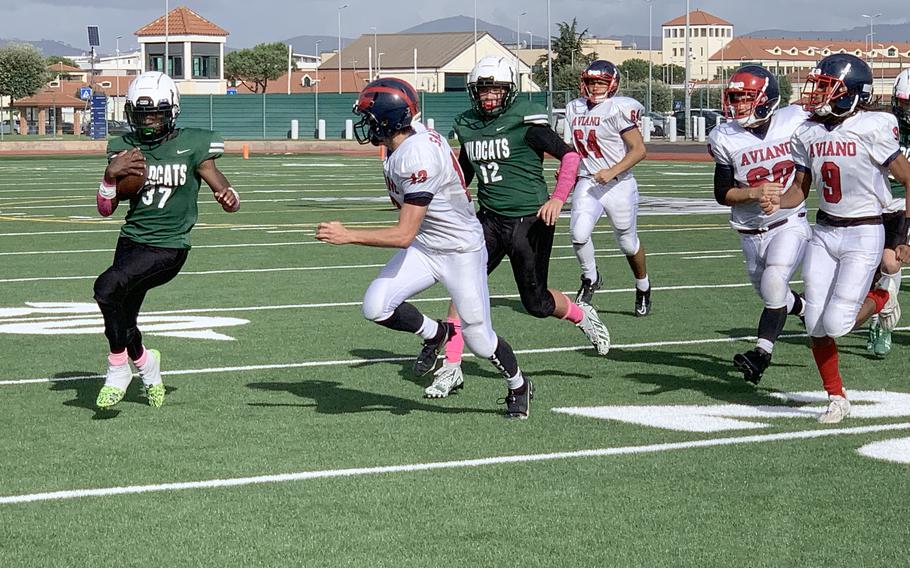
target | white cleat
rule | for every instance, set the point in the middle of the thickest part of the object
(891, 313)
(595, 330)
(446, 379)
(838, 409)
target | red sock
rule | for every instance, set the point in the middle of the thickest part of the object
(880, 297)
(455, 344)
(824, 349)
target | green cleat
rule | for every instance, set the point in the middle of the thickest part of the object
(882, 344)
(874, 332)
(155, 394)
(109, 396)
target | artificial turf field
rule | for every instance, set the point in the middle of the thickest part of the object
(294, 434)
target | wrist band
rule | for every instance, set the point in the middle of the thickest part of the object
(107, 191)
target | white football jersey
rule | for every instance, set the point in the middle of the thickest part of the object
(596, 133)
(758, 160)
(849, 163)
(424, 170)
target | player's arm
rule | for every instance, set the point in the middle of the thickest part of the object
(225, 195)
(793, 196)
(542, 139)
(399, 236)
(130, 162)
(899, 168)
(727, 193)
(466, 168)
(635, 152)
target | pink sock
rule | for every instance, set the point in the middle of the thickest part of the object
(142, 358)
(118, 358)
(574, 315)
(455, 344)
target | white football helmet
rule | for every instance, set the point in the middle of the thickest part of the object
(900, 99)
(492, 71)
(152, 106)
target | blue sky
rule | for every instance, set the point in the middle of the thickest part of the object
(255, 21)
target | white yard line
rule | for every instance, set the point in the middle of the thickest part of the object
(456, 464)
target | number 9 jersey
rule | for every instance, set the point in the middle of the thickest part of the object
(849, 163)
(756, 160)
(596, 132)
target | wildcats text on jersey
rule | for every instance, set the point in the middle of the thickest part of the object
(170, 175)
(758, 155)
(832, 148)
(486, 150)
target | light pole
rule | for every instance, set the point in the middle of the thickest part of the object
(340, 8)
(871, 29)
(117, 97)
(549, 63)
(688, 53)
(317, 88)
(475, 32)
(379, 63)
(650, 50)
(518, 47)
(375, 46)
(167, 41)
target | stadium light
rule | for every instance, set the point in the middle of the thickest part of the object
(650, 49)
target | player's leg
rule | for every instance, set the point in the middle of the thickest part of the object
(464, 276)
(586, 211)
(890, 280)
(409, 272)
(532, 242)
(621, 205)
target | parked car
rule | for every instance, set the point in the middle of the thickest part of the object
(710, 115)
(658, 124)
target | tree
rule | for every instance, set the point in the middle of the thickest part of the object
(661, 96)
(23, 72)
(256, 66)
(567, 47)
(786, 89)
(635, 70)
(670, 73)
(51, 59)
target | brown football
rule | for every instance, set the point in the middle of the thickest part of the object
(130, 184)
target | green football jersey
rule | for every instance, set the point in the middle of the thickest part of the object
(509, 173)
(163, 213)
(897, 188)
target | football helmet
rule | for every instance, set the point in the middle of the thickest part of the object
(837, 85)
(751, 96)
(152, 106)
(492, 72)
(386, 106)
(900, 99)
(599, 71)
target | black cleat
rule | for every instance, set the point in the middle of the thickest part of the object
(642, 302)
(518, 402)
(586, 292)
(752, 364)
(426, 360)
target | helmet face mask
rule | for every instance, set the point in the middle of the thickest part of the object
(491, 86)
(152, 106)
(386, 107)
(837, 86)
(751, 97)
(599, 81)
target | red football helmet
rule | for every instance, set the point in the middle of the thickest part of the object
(751, 97)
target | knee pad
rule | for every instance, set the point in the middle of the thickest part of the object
(775, 287)
(480, 339)
(375, 306)
(628, 241)
(837, 320)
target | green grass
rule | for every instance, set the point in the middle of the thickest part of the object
(263, 404)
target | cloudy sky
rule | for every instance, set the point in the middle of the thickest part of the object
(255, 21)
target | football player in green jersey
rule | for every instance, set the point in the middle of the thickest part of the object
(154, 241)
(896, 227)
(503, 140)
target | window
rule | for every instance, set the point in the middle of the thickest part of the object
(155, 59)
(206, 60)
(667, 32)
(892, 52)
(306, 81)
(105, 84)
(456, 82)
(793, 51)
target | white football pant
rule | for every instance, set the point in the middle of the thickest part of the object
(838, 268)
(591, 200)
(464, 275)
(773, 256)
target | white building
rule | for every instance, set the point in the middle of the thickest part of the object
(708, 34)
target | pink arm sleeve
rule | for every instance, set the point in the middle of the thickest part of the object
(106, 207)
(568, 171)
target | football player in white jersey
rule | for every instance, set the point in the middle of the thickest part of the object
(751, 149)
(847, 151)
(894, 218)
(438, 233)
(604, 129)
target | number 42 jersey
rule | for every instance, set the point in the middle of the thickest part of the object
(757, 160)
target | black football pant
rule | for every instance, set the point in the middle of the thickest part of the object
(121, 289)
(527, 241)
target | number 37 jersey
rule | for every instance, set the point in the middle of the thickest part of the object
(756, 160)
(596, 132)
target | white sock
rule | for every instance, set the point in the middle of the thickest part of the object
(429, 329)
(516, 382)
(896, 278)
(121, 380)
(765, 345)
(585, 255)
(643, 284)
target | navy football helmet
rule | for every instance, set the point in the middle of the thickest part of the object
(837, 85)
(600, 71)
(752, 95)
(386, 106)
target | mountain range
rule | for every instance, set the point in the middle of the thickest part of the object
(883, 33)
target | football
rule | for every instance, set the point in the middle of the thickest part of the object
(130, 184)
